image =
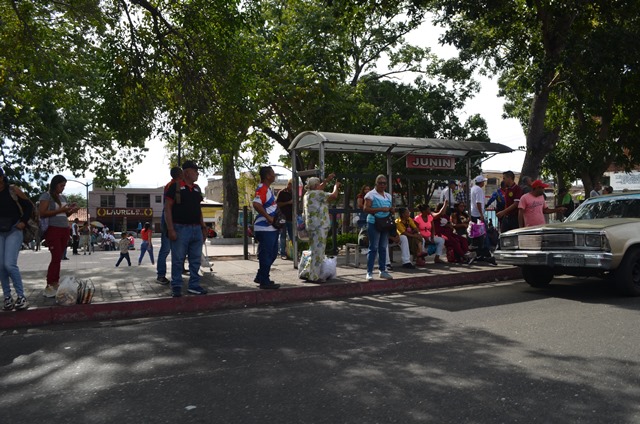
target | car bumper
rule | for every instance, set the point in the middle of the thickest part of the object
(556, 259)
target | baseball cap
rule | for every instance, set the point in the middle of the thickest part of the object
(190, 164)
(538, 184)
(480, 179)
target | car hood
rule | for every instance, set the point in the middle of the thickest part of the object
(584, 224)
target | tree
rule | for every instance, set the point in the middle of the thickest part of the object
(525, 42)
(59, 107)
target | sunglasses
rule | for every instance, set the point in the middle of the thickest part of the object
(382, 182)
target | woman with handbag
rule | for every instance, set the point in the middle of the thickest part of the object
(318, 221)
(55, 209)
(424, 221)
(15, 211)
(378, 205)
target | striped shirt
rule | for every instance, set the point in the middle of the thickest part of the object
(264, 196)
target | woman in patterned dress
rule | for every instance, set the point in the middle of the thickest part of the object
(317, 220)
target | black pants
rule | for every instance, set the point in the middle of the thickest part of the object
(75, 243)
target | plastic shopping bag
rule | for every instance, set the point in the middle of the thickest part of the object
(67, 293)
(86, 289)
(304, 265)
(328, 268)
(476, 230)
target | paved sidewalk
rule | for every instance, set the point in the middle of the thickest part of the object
(126, 292)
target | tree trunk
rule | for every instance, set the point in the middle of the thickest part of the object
(230, 198)
(539, 140)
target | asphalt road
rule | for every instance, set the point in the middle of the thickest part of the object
(501, 353)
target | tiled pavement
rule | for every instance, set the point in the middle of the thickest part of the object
(232, 278)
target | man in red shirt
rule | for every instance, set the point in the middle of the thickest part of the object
(512, 193)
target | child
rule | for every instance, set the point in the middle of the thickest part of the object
(146, 246)
(124, 249)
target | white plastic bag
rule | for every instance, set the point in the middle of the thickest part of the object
(304, 264)
(67, 293)
(86, 289)
(328, 268)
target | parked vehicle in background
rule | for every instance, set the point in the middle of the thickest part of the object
(600, 238)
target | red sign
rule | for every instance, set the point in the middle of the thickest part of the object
(431, 162)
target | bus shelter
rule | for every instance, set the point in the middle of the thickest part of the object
(418, 151)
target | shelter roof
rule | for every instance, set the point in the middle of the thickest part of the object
(360, 143)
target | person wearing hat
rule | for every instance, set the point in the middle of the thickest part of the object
(185, 228)
(477, 199)
(477, 215)
(532, 206)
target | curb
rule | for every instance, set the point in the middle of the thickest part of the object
(242, 299)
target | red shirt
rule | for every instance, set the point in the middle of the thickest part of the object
(512, 195)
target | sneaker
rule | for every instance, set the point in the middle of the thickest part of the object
(197, 290)
(8, 303)
(162, 280)
(389, 268)
(21, 303)
(369, 277)
(270, 286)
(185, 272)
(176, 292)
(385, 275)
(50, 291)
(408, 265)
(255, 280)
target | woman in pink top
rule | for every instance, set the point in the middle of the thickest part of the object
(424, 221)
(146, 246)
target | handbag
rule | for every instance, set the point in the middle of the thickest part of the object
(386, 224)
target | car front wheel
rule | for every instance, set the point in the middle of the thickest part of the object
(627, 277)
(537, 276)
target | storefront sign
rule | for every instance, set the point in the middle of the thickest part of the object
(431, 162)
(124, 212)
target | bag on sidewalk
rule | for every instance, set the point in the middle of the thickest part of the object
(328, 268)
(303, 266)
(86, 289)
(67, 293)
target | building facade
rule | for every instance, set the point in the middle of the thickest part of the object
(123, 208)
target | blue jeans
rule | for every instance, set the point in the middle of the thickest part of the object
(287, 229)
(146, 247)
(378, 243)
(10, 244)
(267, 254)
(188, 244)
(165, 248)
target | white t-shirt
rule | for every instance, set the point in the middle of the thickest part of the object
(477, 196)
(444, 195)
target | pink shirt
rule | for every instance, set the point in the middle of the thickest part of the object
(424, 227)
(532, 208)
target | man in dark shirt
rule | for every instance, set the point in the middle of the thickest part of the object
(284, 200)
(185, 228)
(512, 193)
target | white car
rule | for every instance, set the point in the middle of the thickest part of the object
(601, 237)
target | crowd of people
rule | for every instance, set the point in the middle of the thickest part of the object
(449, 231)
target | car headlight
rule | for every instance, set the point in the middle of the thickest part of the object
(594, 240)
(510, 242)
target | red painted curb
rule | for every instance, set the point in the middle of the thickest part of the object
(230, 300)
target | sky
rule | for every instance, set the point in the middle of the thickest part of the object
(486, 103)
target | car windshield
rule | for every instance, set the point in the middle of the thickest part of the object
(625, 207)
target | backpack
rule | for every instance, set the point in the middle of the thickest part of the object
(32, 227)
